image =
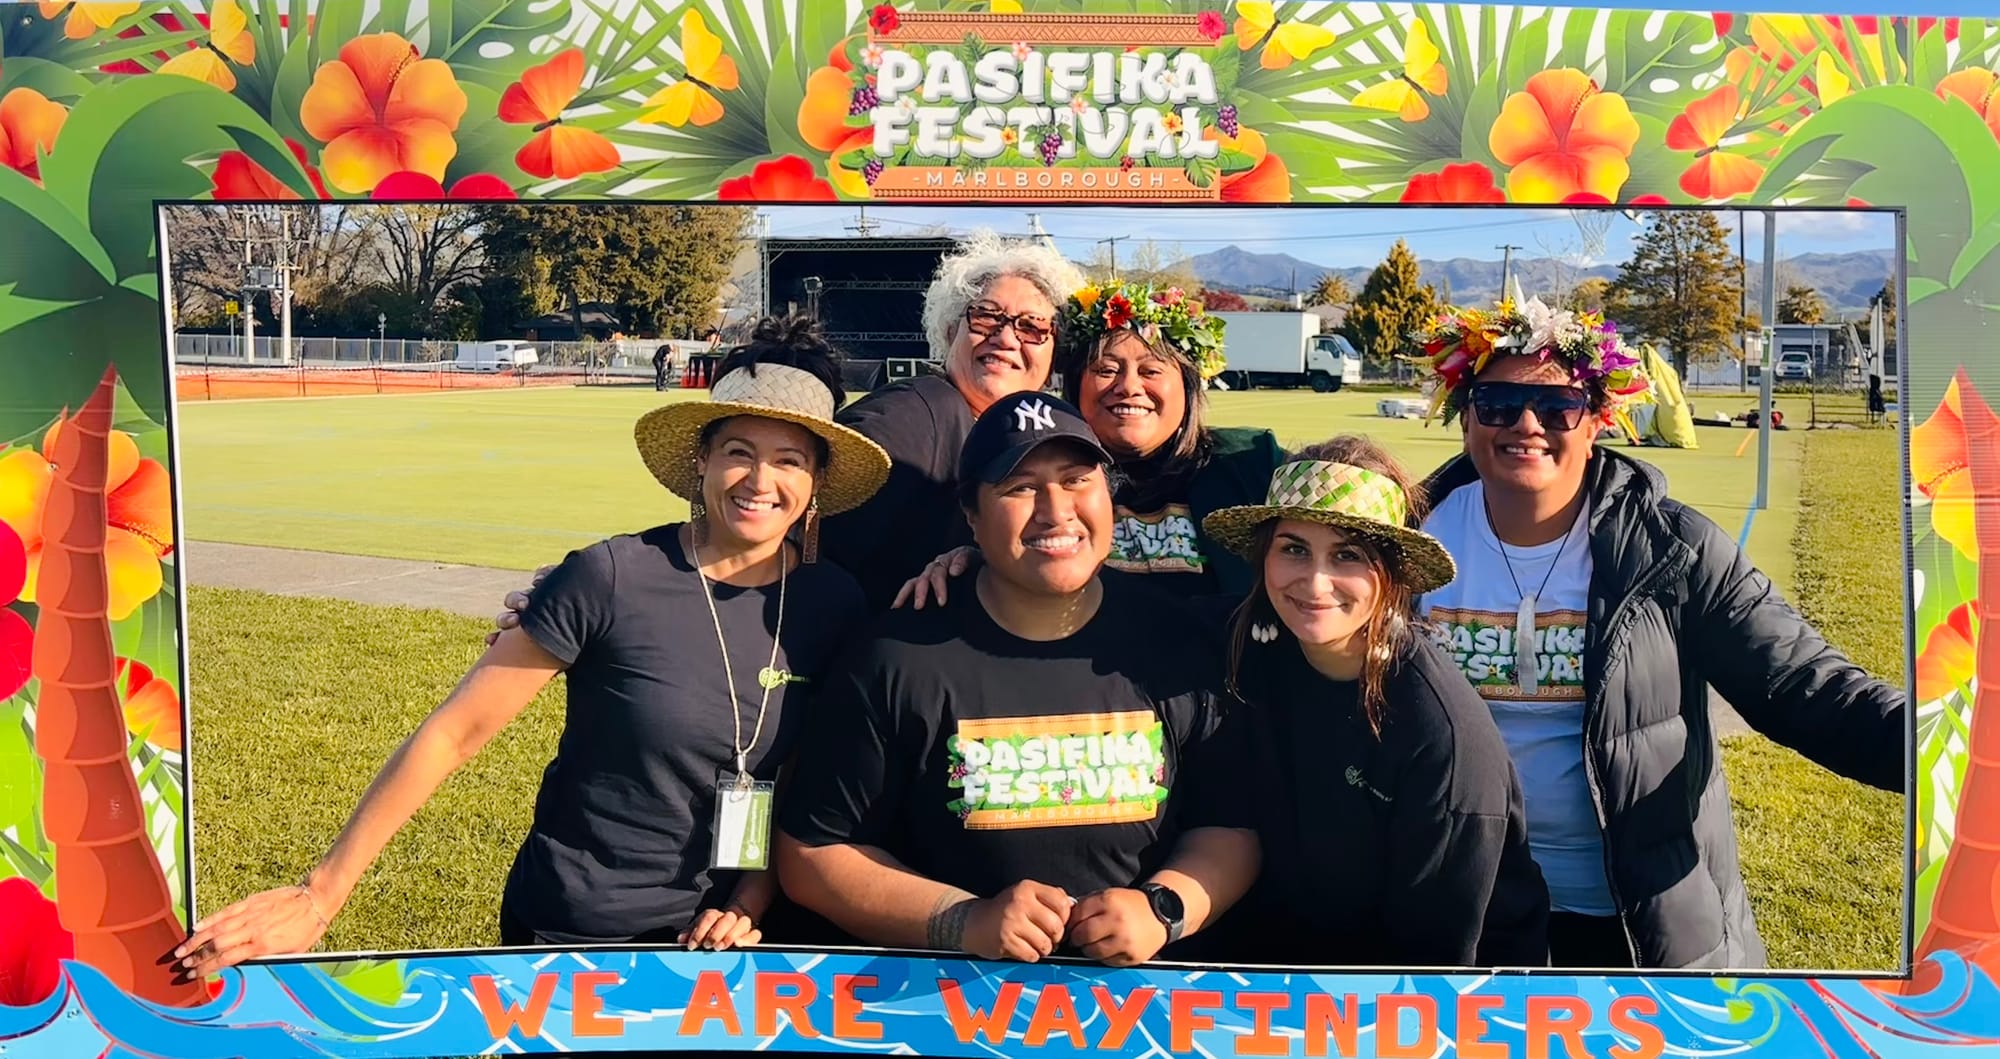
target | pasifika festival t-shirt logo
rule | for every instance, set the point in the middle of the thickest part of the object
(1059, 771)
(1482, 644)
(1162, 542)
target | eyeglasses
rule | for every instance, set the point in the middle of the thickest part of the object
(1499, 404)
(987, 320)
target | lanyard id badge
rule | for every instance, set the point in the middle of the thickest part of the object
(742, 824)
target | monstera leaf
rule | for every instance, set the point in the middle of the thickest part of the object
(486, 41)
(78, 282)
(1899, 143)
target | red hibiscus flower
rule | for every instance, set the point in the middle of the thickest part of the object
(786, 179)
(33, 945)
(1211, 25)
(419, 187)
(1586, 198)
(237, 178)
(1470, 182)
(884, 19)
(1723, 23)
(17, 637)
(1117, 311)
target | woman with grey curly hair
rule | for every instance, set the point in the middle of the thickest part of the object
(990, 316)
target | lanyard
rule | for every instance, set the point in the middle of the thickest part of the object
(729, 673)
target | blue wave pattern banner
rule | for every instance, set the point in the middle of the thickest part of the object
(759, 1001)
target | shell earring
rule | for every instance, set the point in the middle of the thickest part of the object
(698, 515)
(811, 549)
(1264, 633)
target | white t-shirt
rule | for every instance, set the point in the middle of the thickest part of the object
(1475, 616)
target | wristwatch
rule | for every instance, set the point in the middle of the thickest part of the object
(1167, 906)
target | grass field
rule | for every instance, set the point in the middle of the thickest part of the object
(516, 478)
(298, 701)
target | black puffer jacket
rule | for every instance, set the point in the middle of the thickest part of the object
(1675, 606)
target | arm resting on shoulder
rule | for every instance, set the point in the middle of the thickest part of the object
(1782, 675)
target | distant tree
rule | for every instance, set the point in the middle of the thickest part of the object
(1393, 302)
(1147, 262)
(660, 268)
(1801, 304)
(1330, 289)
(1223, 301)
(1886, 298)
(1679, 286)
(1588, 294)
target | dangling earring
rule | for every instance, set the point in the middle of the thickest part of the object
(1263, 633)
(811, 549)
(698, 515)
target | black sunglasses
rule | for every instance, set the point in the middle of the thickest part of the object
(1499, 404)
(986, 321)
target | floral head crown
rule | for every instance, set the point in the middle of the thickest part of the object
(1165, 317)
(1457, 343)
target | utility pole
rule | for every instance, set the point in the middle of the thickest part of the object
(1743, 302)
(285, 285)
(1507, 267)
(862, 225)
(1114, 241)
(1770, 360)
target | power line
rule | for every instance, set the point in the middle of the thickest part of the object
(1254, 239)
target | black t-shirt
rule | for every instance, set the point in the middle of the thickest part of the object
(1410, 850)
(980, 759)
(624, 819)
(1154, 529)
(915, 516)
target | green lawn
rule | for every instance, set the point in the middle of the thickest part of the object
(298, 701)
(515, 478)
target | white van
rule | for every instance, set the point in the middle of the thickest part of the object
(495, 356)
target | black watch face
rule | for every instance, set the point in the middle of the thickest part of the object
(1167, 904)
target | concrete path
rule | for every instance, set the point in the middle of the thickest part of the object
(474, 591)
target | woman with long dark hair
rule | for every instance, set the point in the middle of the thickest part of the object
(1392, 823)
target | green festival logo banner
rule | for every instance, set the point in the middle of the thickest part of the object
(109, 107)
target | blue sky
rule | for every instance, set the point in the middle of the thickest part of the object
(1335, 236)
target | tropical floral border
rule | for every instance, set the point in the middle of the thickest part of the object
(106, 107)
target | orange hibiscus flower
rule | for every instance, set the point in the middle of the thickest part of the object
(380, 109)
(139, 513)
(1267, 180)
(1979, 89)
(152, 710)
(1941, 471)
(29, 122)
(786, 179)
(236, 177)
(1469, 182)
(1948, 657)
(89, 17)
(1701, 128)
(1561, 135)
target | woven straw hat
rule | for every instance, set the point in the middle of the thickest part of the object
(1350, 498)
(670, 436)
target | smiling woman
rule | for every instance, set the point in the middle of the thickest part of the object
(633, 836)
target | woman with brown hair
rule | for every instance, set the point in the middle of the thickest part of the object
(1392, 821)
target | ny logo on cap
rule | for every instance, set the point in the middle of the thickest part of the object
(1034, 416)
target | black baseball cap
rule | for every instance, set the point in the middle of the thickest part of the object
(1014, 426)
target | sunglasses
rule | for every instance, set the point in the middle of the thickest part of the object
(1499, 404)
(986, 321)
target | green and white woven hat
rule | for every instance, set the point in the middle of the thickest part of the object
(1350, 498)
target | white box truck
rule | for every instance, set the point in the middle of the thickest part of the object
(1284, 349)
(495, 356)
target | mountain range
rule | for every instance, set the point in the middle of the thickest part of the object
(1845, 280)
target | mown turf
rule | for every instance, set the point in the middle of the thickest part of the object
(297, 702)
(515, 478)
(1823, 855)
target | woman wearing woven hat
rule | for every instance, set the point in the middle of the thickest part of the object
(687, 650)
(1392, 823)
(1136, 361)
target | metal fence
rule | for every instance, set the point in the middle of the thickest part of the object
(627, 354)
